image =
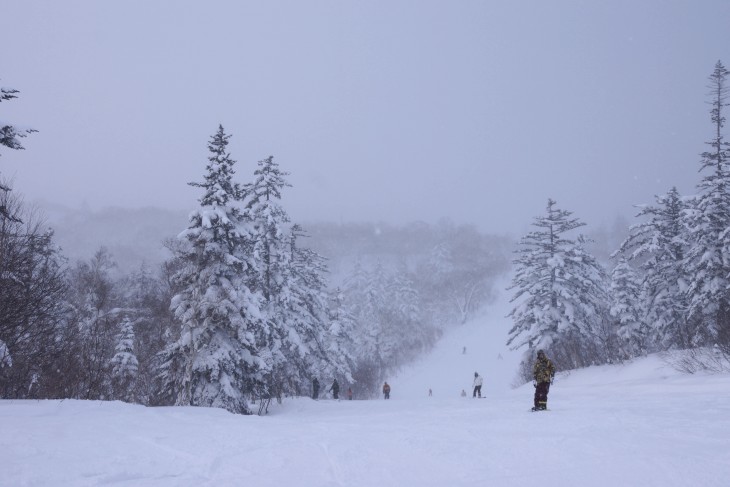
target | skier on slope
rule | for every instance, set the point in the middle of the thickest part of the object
(477, 385)
(543, 372)
(335, 389)
(386, 390)
(315, 388)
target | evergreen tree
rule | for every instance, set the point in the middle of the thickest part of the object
(268, 221)
(148, 298)
(625, 309)
(558, 289)
(292, 283)
(659, 245)
(590, 285)
(341, 334)
(364, 300)
(9, 135)
(706, 261)
(96, 305)
(376, 333)
(410, 334)
(308, 287)
(217, 357)
(124, 363)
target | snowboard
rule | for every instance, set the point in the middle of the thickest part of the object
(533, 410)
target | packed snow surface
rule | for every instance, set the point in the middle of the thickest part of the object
(639, 423)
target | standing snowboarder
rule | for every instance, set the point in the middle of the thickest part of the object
(477, 385)
(315, 388)
(335, 389)
(543, 372)
(386, 390)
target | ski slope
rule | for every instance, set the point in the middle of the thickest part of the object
(447, 370)
(639, 423)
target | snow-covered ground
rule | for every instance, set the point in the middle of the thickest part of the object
(637, 424)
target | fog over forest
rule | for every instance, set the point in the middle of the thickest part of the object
(136, 236)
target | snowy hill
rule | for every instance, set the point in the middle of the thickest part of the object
(640, 424)
(447, 369)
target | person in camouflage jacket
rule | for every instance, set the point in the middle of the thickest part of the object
(543, 372)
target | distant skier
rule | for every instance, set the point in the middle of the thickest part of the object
(543, 372)
(315, 388)
(463, 393)
(349, 393)
(430, 392)
(477, 385)
(335, 389)
(386, 390)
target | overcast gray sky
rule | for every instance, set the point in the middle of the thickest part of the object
(380, 110)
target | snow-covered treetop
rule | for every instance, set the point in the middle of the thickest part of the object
(218, 186)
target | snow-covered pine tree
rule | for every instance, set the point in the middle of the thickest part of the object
(659, 244)
(558, 291)
(433, 276)
(10, 135)
(291, 280)
(341, 333)
(354, 288)
(148, 297)
(411, 334)
(268, 221)
(708, 222)
(365, 300)
(124, 363)
(309, 332)
(95, 301)
(218, 356)
(590, 284)
(625, 309)
(377, 338)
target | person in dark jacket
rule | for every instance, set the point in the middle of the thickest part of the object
(386, 390)
(315, 388)
(543, 372)
(335, 389)
(349, 393)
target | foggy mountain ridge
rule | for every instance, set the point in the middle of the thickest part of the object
(136, 236)
(132, 236)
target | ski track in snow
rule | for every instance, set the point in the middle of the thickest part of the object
(634, 424)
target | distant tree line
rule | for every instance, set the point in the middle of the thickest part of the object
(241, 314)
(669, 288)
